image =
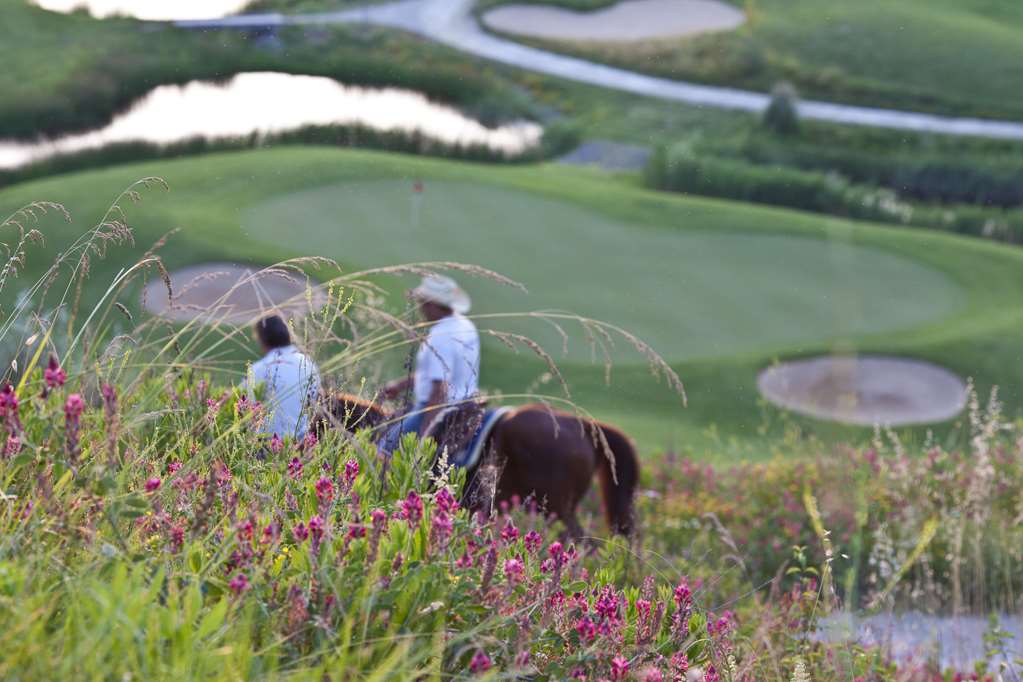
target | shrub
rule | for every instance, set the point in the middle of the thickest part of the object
(552, 143)
(680, 170)
(930, 176)
(782, 113)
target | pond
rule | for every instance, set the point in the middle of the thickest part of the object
(151, 10)
(264, 103)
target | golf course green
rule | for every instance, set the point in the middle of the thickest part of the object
(719, 289)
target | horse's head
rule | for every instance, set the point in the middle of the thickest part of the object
(350, 413)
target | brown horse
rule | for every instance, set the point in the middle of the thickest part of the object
(549, 455)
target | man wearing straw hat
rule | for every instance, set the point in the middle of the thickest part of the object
(447, 362)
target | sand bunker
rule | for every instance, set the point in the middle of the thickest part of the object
(865, 390)
(627, 21)
(232, 293)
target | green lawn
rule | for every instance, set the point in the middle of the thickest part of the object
(948, 56)
(720, 289)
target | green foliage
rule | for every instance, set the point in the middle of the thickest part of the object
(968, 174)
(681, 170)
(782, 114)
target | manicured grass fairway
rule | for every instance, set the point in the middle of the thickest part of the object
(718, 288)
(691, 294)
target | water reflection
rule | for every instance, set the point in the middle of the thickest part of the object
(272, 103)
(151, 10)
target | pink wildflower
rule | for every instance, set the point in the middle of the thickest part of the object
(652, 675)
(480, 663)
(73, 408)
(514, 570)
(174, 467)
(446, 501)
(533, 541)
(295, 468)
(276, 444)
(8, 404)
(153, 484)
(441, 529)
(607, 604)
(324, 489)
(586, 628)
(310, 441)
(239, 584)
(351, 472)
(54, 376)
(300, 532)
(711, 674)
(13, 446)
(246, 529)
(411, 509)
(683, 595)
(177, 537)
(619, 667)
(316, 527)
(509, 533)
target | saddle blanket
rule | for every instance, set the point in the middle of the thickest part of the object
(470, 456)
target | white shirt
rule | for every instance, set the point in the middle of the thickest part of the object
(292, 384)
(450, 353)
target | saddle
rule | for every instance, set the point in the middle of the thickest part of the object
(463, 430)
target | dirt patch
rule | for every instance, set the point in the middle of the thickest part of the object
(865, 390)
(233, 294)
(627, 21)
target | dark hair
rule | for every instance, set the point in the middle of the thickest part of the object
(273, 332)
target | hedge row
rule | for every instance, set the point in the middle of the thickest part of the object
(929, 177)
(557, 139)
(679, 170)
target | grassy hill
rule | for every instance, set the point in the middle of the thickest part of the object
(719, 289)
(947, 56)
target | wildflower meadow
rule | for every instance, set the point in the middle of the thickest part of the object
(150, 532)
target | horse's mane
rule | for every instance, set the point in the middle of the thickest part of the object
(351, 412)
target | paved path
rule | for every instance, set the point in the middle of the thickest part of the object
(450, 22)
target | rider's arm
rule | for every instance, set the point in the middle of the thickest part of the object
(438, 397)
(396, 388)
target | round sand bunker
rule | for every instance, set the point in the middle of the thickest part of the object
(865, 390)
(232, 294)
(626, 21)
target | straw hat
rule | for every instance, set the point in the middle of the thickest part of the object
(443, 291)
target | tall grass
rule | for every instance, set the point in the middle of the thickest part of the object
(148, 530)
